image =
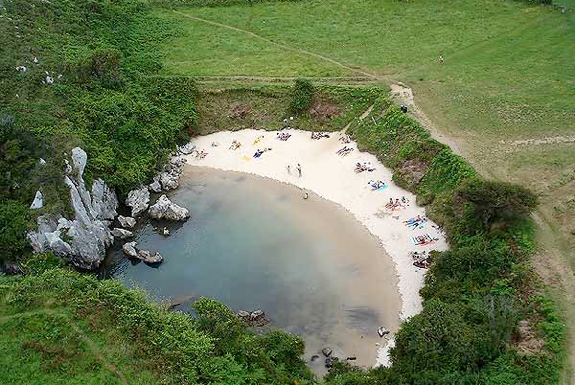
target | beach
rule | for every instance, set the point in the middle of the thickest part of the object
(333, 177)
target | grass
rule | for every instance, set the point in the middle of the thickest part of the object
(509, 75)
(53, 343)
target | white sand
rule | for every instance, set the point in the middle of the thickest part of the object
(333, 177)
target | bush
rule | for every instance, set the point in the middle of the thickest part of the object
(302, 95)
(14, 223)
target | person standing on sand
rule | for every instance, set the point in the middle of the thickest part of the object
(299, 170)
(289, 169)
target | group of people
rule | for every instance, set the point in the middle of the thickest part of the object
(298, 170)
(319, 135)
(421, 259)
(365, 166)
(283, 136)
(235, 145)
(344, 151)
(416, 222)
(397, 205)
(345, 138)
(377, 184)
(200, 154)
(424, 239)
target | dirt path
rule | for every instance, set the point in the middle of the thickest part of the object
(280, 45)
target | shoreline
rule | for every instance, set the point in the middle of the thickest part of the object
(333, 178)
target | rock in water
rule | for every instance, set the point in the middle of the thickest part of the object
(83, 240)
(126, 222)
(130, 249)
(138, 200)
(38, 202)
(147, 257)
(326, 351)
(382, 331)
(165, 209)
(121, 233)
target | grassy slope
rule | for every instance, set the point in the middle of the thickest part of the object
(49, 343)
(508, 75)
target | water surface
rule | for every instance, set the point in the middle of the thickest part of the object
(254, 243)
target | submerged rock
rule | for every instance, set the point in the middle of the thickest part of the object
(85, 239)
(126, 222)
(138, 200)
(326, 351)
(147, 257)
(165, 209)
(121, 233)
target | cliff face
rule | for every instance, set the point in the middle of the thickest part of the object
(84, 239)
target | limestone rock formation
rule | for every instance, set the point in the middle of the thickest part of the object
(38, 201)
(126, 222)
(84, 239)
(165, 209)
(121, 233)
(155, 186)
(138, 200)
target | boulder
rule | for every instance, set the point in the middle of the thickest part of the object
(187, 148)
(82, 240)
(256, 315)
(169, 181)
(155, 186)
(138, 200)
(38, 201)
(165, 209)
(330, 361)
(12, 269)
(129, 249)
(121, 233)
(326, 351)
(244, 314)
(126, 222)
(147, 257)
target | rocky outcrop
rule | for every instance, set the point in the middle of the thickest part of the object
(155, 186)
(145, 256)
(138, 200)
(121, 233)
(126, 222)
(169, 178)
(187, 148)
(38, 201)
(82, 240)
(165, 209)
(256, 318)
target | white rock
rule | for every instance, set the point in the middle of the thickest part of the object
(127, 222)
(42, 162)
(187, 149)
(129, 249)
(121, 233)
(168, 181)
(165, 209)
(38, 202)
(138, 200)
(155, 186)
(147, 257)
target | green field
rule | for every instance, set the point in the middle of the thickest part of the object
(507, 84)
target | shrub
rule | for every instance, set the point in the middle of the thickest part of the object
(302, 95)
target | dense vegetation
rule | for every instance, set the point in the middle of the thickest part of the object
(81, 82)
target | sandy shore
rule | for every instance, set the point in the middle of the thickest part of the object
(333, 177)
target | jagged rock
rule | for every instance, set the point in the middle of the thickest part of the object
(243, 314)
(38, 201)
(138, 200)
(42, 162)
(165, 209)
(155, 186)
(121, 233)
(382, 331)
(84, 239)
(256, 314)
(129, 249)
(165, 232)
(187, 148)
(126, 222)
(326, 351)
(169, 181)
(147, 257)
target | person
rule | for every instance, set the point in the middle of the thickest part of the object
(305, 195)
(403, 108)
(299, 169)
(289, 169)
(441, 60)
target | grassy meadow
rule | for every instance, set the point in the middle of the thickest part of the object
(506, 86)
